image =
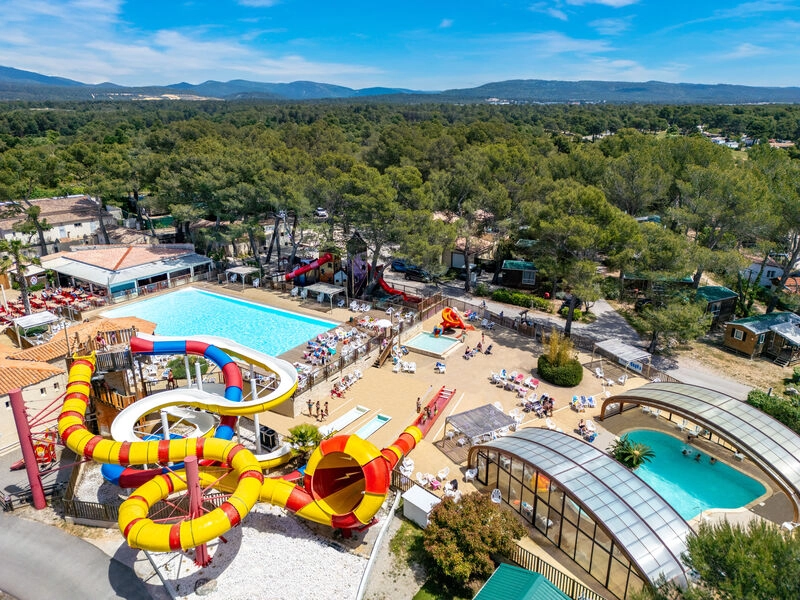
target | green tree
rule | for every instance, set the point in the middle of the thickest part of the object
(304, 438)
(14, 261)
(758, 561)
(677, 318)
(631, 454)
(461, 537)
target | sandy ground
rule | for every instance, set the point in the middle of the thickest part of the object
(394, 394)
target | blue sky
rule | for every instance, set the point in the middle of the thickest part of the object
(425, 45)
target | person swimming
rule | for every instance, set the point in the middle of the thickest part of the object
(697, 457)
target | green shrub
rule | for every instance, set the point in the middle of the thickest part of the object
(541, 304)
(481, 290)
(610, 288)
(782, 409)
(577, 314)
(569, 374)
(509, 297)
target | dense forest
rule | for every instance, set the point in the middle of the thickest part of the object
(543, 174)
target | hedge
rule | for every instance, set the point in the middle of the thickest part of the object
(567, 375)
(522, 299)
(784, 410)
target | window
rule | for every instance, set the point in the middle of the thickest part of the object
(78, 225)
(56, 385)
(738, 334)
(528, 277)
(761, 338)
(770, 273)
(8, 404)
(43, 391)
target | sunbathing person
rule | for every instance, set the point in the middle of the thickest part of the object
(479, 347)
(467, 354)
(489, 349)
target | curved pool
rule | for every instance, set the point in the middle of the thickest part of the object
(691, 486)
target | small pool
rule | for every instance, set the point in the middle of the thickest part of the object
(372, 426)
(197, 312)
(431, 345)
(691, 486)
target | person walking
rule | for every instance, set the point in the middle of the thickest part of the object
(325, 410)
(419, 404)
(318, 410)
(310, 404)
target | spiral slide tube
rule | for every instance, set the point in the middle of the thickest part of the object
(453, 320)
(314, 264)
(345, 483)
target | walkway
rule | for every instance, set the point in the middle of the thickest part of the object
(67, 566)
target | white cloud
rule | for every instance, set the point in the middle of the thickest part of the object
(611, 26)
(544, 8)
(446, 23)
(611, 3)
(745, 51)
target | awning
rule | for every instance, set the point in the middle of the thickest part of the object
(34, 320)
(624, 353)
(480, 421)
(243, 271)
(325, 288)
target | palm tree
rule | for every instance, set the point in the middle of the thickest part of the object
(14, 261)
(304, 438)
(631, 454)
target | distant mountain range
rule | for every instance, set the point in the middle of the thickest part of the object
(16, 84)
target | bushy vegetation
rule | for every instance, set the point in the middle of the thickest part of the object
(785, 410)
(559, 365)
(754, 562)
(577, 313)
(462, 537)
(522, 299)
(304, 438)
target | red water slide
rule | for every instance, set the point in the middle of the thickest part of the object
(395, 292)
(314, 264)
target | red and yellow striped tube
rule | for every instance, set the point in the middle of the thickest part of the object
(140, 531)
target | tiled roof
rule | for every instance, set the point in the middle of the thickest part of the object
(118, 257)
(56, 348)
(23, 373)
(59, 211)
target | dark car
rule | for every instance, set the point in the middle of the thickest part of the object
(462, 272)
(400, 265)
(417, 274)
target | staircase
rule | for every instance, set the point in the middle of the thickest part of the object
(385, 353)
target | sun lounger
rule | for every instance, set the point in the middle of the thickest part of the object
(549, 423)
(519, 378)
(590, 401)
(486, 324)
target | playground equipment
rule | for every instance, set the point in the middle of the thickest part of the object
(314, 264)
(452, 320)
(395, 292)
(345, 483)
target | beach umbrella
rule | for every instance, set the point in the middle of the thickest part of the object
(383, 323)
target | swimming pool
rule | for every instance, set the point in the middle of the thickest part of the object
(691, 486)
(197, 312)
(430, 345)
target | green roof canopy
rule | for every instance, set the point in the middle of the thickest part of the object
(715, 293)
(518, 265)
(509, 581)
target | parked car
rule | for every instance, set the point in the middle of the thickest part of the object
(417, 274)
(400, 265)
(462, 272)
(321, 213)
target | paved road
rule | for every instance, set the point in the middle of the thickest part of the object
(40, 561)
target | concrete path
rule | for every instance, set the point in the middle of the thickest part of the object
(44, 562)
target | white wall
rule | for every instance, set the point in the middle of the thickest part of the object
(35, 401)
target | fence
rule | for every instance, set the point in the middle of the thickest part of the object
(571, 587)
(524, 558)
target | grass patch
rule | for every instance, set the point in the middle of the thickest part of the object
(407, 542)
(434, 590)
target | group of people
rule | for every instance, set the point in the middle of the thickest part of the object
(318, 411)
(427, 413)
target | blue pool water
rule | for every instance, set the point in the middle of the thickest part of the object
(691, 486)
(432, 344)
(196, 312)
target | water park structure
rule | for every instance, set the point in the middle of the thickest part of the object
(451, 319)
(344, 484)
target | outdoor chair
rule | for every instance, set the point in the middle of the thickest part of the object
(470, 474)
(443, 473)
(599, 372)
(622, 379)
(549, 423)
(304, 293)
(497, 496)
(422, 479)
